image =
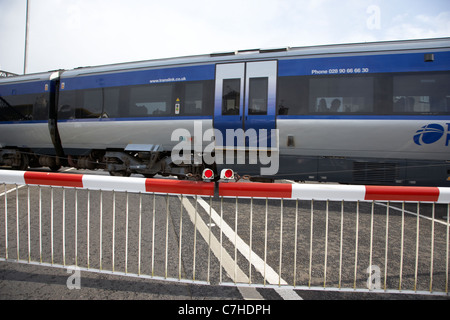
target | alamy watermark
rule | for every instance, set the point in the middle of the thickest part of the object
(255, 147)
(374, 279)
(373, 22)
(74, 280)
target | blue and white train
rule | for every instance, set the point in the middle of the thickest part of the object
(369, 113)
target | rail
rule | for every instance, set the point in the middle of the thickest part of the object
(304, 236)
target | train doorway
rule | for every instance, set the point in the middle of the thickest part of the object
(245, 101)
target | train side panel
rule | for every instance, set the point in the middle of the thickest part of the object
(364, 137)
(394, 152)
(26, 135)
(117, 134)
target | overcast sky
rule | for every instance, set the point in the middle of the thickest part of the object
(66, 34)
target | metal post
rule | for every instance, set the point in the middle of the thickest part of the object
(17, 221)
(26, 38)
(140, 233)
(6, 223)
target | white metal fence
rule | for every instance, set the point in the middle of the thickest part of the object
(320, 236)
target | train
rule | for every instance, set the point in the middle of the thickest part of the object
(359, 113)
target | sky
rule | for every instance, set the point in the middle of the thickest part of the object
(66, 34)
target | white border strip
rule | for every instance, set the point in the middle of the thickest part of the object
(328, 192)
(12, 177)
(106, 183)
(444, 195)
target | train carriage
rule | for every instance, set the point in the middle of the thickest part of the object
(27, 105)
(372, 113)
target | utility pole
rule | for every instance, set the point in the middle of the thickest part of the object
(26, 40)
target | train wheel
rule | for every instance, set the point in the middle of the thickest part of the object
(24, 163)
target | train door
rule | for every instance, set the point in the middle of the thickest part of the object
(245, 98)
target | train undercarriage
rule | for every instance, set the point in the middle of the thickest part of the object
(152, 160)
(148, 161)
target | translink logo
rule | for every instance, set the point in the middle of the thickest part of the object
(432, 133)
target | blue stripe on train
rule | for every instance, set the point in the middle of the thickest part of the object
(364, 117)
(151, 76)
(25, 88)
(408, 62)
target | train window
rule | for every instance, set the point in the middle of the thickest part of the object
(92, 104)
(341, 95)
(258, 91)
(193, 98)
(95, 103)
(24, 107)
(388, 93)
(155, 100)
(231, 96)
(40, 107)
(80, 104)
(111, 102)
(151, 100)
(292, 95)
(421, 93)
(67, 102)
(197, 98)
(208, 97)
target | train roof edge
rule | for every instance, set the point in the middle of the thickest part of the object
(248, 54)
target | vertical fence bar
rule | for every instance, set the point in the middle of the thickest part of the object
(401, 247)
(235, 239)
(221, 240)
(17, 221)
(341, 244)
(51, 221)
(64, 225)
(417, 247)
(447, 249)
(153, 235)
(101, 231)
(356, 244)
(281, 243)
(6, 223)
(432, 245)
(195, 240)
(76, 227)
(167, 237)
(311, 242)
(209, 241)
(88, 218)
(126, 230)
(113, 230)
(140, 233)
(28, 224)
(371, 239)
(250, 243)
(265, 240)
(386, 246)
(40, 224)
(295, 242)
(180, 241)
(326, 247)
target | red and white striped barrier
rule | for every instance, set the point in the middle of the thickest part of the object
(108, 183)
(230, 189)
(335, 192)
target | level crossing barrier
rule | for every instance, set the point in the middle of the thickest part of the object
(300, 236)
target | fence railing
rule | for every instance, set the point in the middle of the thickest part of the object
(305, 236)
